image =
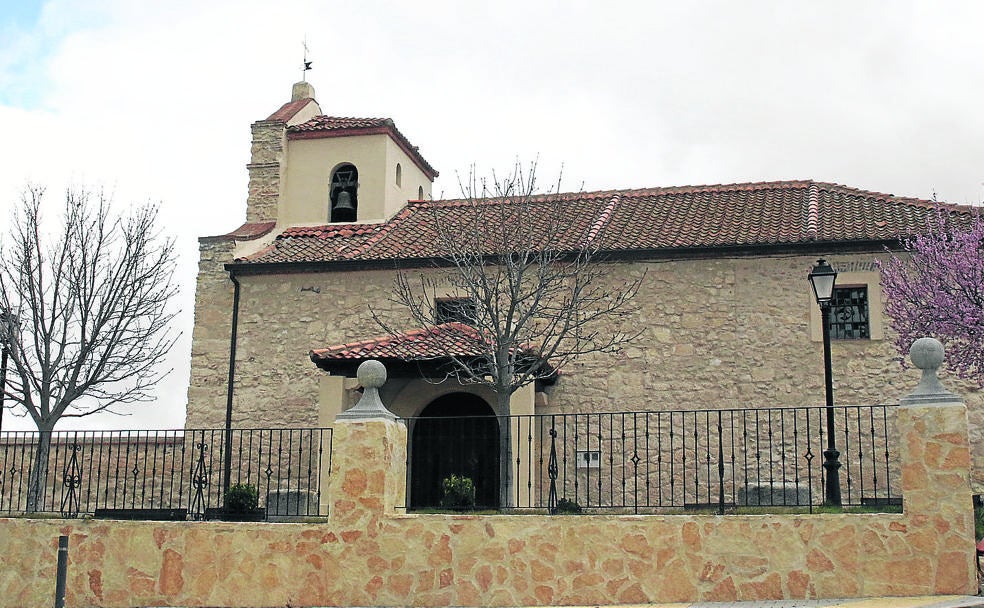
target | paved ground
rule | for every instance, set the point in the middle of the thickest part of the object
(936, 601)
(939, 601)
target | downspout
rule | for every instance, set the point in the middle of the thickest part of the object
(227, 473)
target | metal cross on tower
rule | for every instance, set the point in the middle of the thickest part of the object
(307, 64)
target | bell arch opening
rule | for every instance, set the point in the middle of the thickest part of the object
(344, 194)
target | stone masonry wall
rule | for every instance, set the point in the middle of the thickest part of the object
(210, 337)
(717, 333)
(367, 554)
(265, 170)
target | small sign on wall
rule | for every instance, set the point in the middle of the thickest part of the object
(589, 459)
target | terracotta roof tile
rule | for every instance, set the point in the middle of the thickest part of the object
(333, 123)
(687, 217)
(416, 345)
(246, 232)
(288, 110)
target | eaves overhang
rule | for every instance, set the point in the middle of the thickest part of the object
(409, 150)
(634, 255)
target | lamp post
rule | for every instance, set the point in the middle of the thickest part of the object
(822, 277)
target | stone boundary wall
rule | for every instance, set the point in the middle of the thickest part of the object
(368, 554)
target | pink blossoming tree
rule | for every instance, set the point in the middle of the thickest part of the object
(936, 289)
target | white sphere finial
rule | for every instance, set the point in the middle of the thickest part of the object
(926, 353)
(371, 374)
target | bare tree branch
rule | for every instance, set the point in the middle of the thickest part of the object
(538, 290)
(87, 308)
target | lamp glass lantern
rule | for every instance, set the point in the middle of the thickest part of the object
(822, 278)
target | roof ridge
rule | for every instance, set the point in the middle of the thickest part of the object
(813, 212)
(602, 220)
(316, 229)
(654, 190)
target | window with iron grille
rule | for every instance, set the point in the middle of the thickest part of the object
(460, 310)
(849, 313)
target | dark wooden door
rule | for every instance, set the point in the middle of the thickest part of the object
(456, 434)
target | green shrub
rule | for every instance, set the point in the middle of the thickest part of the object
(459, 493)
(567, 506)
(242, 498)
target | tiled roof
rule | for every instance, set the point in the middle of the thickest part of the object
(333, 123)
(788, 213)
(336, 126)
(289, 109)
(425, 346)
(416, 345)
(246, 232)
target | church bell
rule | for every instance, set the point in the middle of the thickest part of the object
(343, 210)
(344, 202)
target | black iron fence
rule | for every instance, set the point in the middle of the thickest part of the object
(639, 462)
(162, 474)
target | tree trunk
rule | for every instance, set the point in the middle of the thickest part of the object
(39, 470)
(506, 494)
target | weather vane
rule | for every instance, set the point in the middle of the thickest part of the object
(307, 64)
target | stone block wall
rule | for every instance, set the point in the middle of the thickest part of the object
(266, 170)
(368, 554)
(717, 333)
(211, 336)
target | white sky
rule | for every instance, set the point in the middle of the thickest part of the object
(153, 100)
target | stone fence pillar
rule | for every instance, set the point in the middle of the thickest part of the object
(935, 456)
(369, 455)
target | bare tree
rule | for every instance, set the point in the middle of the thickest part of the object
(87, 312)
(532, 289)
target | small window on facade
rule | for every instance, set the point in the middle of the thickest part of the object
(849, 314)
(399, 175)
(420, 193)
(460, 310)
(344, 194)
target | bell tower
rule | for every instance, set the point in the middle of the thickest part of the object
(311, 169)
(268, 153)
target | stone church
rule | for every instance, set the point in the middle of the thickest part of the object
(727, 316)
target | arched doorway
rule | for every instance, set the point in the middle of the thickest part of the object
(457, 434)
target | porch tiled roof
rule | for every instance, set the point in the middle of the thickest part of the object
(684, 218)
(425, 343)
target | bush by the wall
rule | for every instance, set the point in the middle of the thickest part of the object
(459, 493)
(565, 506)
(242, 498)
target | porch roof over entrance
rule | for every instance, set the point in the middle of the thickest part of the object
(422, 351)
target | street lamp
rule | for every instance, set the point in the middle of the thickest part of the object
(822, 277)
